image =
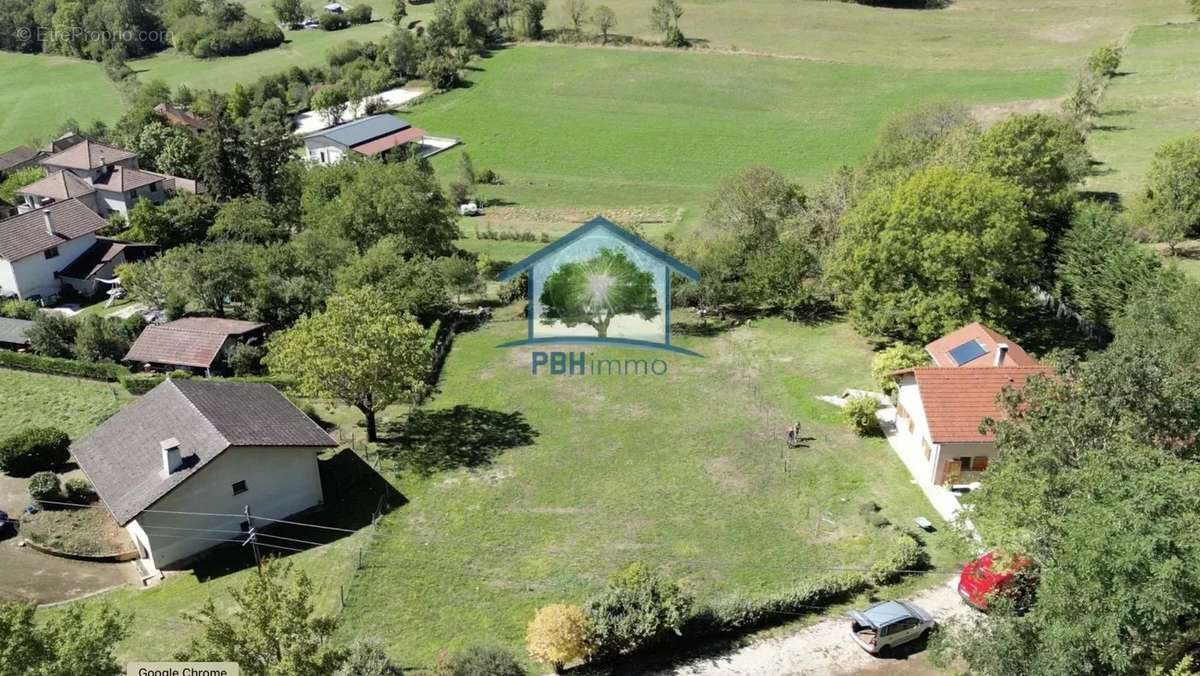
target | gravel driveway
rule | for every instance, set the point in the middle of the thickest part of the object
(826, 648)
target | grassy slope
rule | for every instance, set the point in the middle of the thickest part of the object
(71, 404)
(972, 34)
(38, 93)
(607, 127)
(631, 469)
(1155, 101)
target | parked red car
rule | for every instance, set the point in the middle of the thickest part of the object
(984, 577)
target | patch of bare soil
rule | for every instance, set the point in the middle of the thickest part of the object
(83, 531)
(988, 115)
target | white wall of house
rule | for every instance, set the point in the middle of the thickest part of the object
(34, 275)
(324, 151)
(948, 453)
(280, 482)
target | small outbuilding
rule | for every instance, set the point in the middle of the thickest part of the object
(14, 333)
(180, 467)
(196, 344)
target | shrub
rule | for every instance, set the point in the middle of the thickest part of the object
(639, 608)
(53, 335)
(557, 635)
(366, 658)
(34, 450)
(245, 359)
(45, 486)
(77, 489)
(860, 413)
(359, 14)
(1105, 60)
(459, 193)
(141, 383)
(18, 309)
(333, 22)
(488, 177)
(480, 661)
(62, 367)
(895, 358)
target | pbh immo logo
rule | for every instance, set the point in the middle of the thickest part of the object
(599, 286)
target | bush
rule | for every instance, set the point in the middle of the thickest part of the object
(860, 413)
(18, 309)
(333, 22)
(1104, 61)
(895, 358)
(141, 383)
(77, 489)
(359, 14)
(245, 359)
(488, 177)
(480, 661)
(34, 450)
(557, 635)
(639, 608)
(53, 335)
(366, 658)
(45, 486)
(62, 367)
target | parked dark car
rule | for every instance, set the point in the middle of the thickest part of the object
(7, 527)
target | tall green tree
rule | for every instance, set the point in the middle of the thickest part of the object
(272, 628)
(597, 290)
(359, 350)
(71, 641)
(940, 249)
(288, 12)
(606, 20)
(1170, 199)
(415, 285)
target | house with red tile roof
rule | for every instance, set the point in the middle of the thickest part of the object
(943, 407)
(197, 344)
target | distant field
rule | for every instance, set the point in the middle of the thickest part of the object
(971, 34)
(584, 127)
(38, 93)
(1157, 99)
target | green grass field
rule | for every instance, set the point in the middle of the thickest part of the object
(73, 405)
(38, 93)
(971, 34)
(590, 474)
(593, 127)
(1155, 100)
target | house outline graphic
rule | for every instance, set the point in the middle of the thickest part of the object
(600, 226)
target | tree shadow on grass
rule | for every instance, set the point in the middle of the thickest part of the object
(463, 436)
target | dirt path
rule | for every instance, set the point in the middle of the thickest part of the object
(826, 648)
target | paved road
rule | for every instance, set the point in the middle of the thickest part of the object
(29, 575)
(826, 648)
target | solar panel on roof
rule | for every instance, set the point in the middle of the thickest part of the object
(967, 352)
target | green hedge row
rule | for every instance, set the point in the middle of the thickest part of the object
(138, 384)
(24, 361)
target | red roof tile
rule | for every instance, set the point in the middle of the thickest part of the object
(987, 338)
(957, 400)
(192, 341)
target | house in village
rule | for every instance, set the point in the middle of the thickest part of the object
(182, 118)
(195, 344)
(369, 136)
(942, 407)
(180, 466)
(17, 159)
(36, 246)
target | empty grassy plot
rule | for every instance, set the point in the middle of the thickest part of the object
(1155, 99)
(531, 490)
(73, 405)
(38, 93)
(591, 127)
(971, 34)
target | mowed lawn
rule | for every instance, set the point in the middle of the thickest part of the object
(578, 127)
(73, 405)
(568, 479)
(38, 93)
(971, 34)
(1156, 99)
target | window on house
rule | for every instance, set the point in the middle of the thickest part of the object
(239, 488)
(979, 464)
(322, 156)
(52, 252)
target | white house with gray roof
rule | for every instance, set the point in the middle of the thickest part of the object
(37, 245)
(178, 467)
(369, 136)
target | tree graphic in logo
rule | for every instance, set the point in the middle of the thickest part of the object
(596, 290)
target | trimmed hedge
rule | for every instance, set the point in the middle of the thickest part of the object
(106, 371)
(138, 384)
(34, 450)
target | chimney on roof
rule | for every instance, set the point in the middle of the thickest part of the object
(49, 223)
(171, 456)
(1001, 353)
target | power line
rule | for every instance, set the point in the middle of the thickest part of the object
(223, 530)
(179, 513)
(235, 540)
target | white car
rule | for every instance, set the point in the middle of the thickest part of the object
(889, 624)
